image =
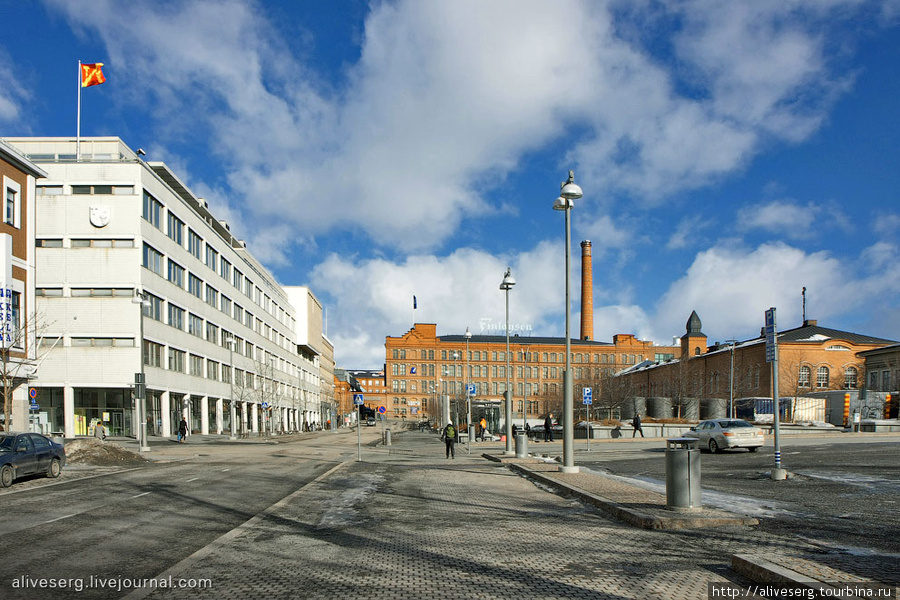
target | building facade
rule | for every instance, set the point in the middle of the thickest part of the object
(137, 278)
(811, 359)
(425, 371)
(19, 321)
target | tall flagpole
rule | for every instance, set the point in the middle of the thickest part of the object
(78, 119)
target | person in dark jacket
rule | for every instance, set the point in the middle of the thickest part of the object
(636, 424)
(449, 437)
(182, 430)
(548, 428)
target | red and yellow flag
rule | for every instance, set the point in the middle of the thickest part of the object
(92, 74)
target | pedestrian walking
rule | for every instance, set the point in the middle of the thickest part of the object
(527, 430)
(483, 424)
(182, 430)
(636, 424)
(449, 437)
(548, 428)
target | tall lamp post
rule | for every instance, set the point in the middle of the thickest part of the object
(469, 429)
(230, 343)
(140, 388)
(731, 382)
(569, 192)
(506, 285)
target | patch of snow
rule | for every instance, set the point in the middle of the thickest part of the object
(343, 511)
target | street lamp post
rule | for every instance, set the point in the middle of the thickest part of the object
(506, 285)
(569, 192)
(140, 389)
(731, 383)
(230, 343)
(469, 430)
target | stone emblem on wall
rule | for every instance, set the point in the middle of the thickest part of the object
(100, 216)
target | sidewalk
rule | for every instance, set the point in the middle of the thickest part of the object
(404, 522)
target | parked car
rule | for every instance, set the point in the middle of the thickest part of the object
(716, 434)
(24, 454)
(370, 421)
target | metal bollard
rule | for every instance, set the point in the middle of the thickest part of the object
(682, 474)
(387, 437)
(521, 445)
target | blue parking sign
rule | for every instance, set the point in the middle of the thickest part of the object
(587, 395)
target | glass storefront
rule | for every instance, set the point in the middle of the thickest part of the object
(111, 406)
(50, 416)
(154, 413)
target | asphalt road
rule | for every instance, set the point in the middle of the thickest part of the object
(138, 522)
(841, 491)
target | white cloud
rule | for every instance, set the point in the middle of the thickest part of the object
(786, 217)
(731, 288)
(447, 98)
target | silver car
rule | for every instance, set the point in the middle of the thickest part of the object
(716, 434)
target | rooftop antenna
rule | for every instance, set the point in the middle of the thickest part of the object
(804, 305)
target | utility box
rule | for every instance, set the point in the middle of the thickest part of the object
(683, 474)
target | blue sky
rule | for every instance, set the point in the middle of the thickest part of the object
(730, 153)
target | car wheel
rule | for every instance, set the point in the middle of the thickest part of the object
(753, 448)
(6, 476)
(54, 469)
(713, 446)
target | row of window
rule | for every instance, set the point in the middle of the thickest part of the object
(182, 361)
(823, 377)
(527, 357)
(175, 228)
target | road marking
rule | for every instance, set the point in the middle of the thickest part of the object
(59, 518)
(194, 479)
(139, 495)
(223, 470)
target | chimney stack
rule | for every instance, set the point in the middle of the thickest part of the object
(587, 292)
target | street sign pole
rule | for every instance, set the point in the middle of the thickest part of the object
(778, 473)
(587, 395)
(358, 401)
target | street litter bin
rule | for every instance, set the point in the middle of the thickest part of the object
(521, 445)
(682, 474)
(387, 437)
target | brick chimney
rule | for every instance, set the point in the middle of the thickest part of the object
(587, 292)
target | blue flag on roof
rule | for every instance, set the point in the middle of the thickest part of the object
(412, 371)
(414, 302)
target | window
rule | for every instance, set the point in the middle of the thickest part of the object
(803, 380)
(248, 320)
(152, 209)
(212, 370)
(49, 292)
(212, 296)
(212, 257)
(196, 365)
(885, 381)
(175, 229)
(176, 273)
(176, 317)
(101, 292)
(154, 310)
(176, 360)
(152, 354)
(97, 190)
(238, 313)
(49, 190)
(851, 376)
(12, 203)
(822, 377)
(212, 333)
(225, 269)
(54, 243)
(226, 305)
(195, 286)
(88, 243)
(238, 279)
(195, 325)
(153, 259)
(195, 244)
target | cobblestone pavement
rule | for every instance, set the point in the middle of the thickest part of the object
(403, 524)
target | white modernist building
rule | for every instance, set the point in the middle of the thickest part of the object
(136, 279)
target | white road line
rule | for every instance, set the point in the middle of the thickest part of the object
(194, 479)
(60, 518)
(139, 495)
(223, 470)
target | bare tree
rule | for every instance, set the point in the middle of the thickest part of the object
(18, 360)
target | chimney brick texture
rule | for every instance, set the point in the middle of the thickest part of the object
(587, 292)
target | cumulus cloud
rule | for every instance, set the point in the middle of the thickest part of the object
(447, 97)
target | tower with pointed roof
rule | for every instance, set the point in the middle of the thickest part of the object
(693, 342)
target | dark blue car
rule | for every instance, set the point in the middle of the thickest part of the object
(24, 454)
